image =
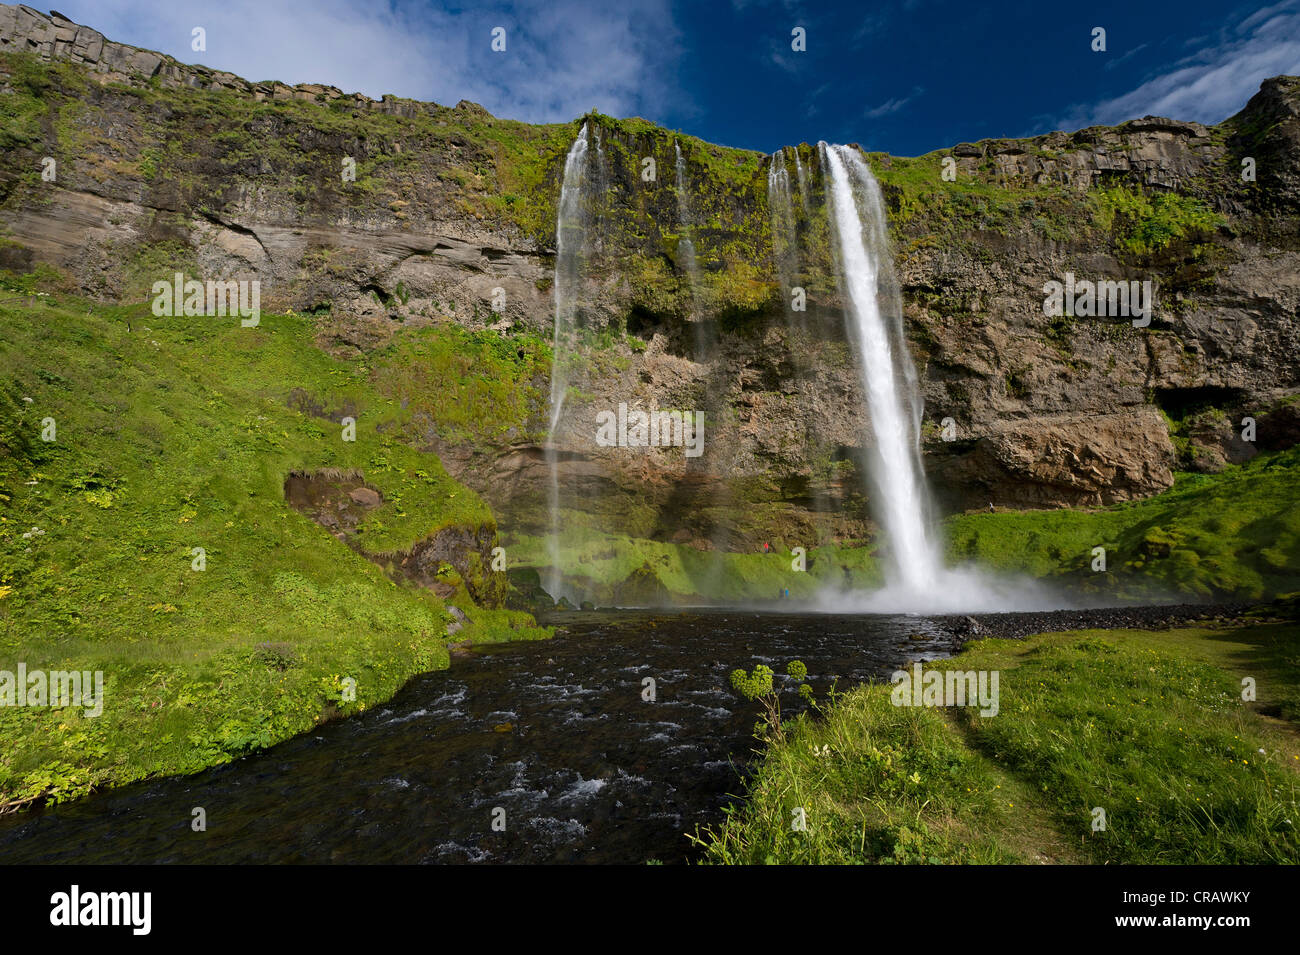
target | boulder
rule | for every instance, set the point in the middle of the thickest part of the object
(365, 496)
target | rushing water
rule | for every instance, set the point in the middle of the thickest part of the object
(556, 733)
(874, 319)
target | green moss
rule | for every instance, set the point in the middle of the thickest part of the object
(603, 565)
(1143, 224)
(1232, 534)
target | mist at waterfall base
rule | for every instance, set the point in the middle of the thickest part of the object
(916, 579)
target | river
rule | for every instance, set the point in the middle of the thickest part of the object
(556, 733)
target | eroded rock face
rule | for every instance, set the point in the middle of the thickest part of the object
(1077, 461)
(1047, 412)
(339, 502)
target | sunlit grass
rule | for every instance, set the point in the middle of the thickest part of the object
(178, 434)
(1149, 727)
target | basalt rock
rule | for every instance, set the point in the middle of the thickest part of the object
(1088, 461)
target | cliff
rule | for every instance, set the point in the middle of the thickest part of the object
(162, 166)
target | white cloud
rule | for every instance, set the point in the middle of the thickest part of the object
(1212, 84)
(561, 59)
(891, 106)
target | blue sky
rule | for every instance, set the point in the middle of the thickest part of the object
(903, 76)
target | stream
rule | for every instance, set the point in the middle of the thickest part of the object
(555, 733)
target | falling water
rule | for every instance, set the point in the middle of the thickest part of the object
(803, 182)
(783, 233)
(873, 312)
(801, 349)
(708, 402)
(571, 227)
(685, 246)
(686, 253)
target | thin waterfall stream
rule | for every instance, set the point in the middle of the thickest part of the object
(571, 230)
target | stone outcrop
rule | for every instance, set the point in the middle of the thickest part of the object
(339, 502)
(1079, 462)
(55, 37)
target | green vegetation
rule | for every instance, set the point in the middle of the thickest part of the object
(1149, 727)
(615, 569)
(758, 687)
(476, 387)
(727, 221)
(919, 197)
(499, 173)
(172, 434)
(23, 107)
(1233, 534)
(1143, 224)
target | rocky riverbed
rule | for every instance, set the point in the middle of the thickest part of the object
(1016, 626)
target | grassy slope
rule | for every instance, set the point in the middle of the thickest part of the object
(176, 435)
(1232, 534)
(1148, 726)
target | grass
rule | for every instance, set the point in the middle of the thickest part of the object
(1233, 534)
(1150, 727)
(599, 564)
(173, 434)
(478, 387)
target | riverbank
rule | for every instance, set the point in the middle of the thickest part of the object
(1107, 746)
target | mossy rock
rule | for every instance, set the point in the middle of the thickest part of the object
(641, 588)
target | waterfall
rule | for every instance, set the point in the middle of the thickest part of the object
(571, 228)
(803, 182)
(685, 246)
(783, 232)
(873, 314)
(686, 254)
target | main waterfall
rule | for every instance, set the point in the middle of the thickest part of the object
(908, 554)
(916, 578)
(873, 314)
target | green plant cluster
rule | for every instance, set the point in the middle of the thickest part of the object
(1144, 224)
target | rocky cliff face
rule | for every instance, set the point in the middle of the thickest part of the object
(374, 216)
